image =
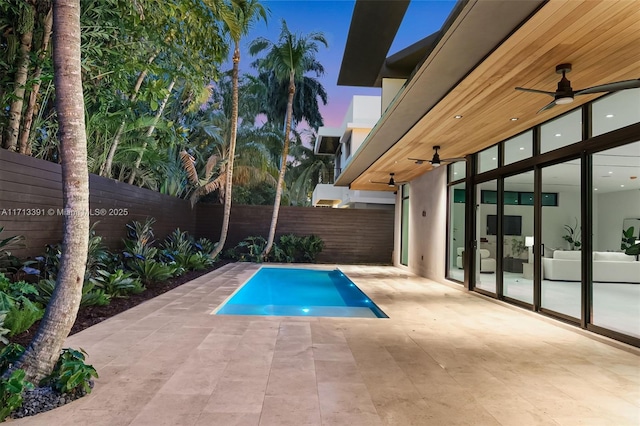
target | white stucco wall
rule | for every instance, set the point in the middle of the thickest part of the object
(428, 233)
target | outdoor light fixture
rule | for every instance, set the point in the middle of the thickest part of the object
(436, 161)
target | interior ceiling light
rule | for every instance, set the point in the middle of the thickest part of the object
(458, 116)
(514, 118)
(436, 161)
(558, 135)
(564, 94)
(609, 115)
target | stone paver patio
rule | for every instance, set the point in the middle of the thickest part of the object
(444, 357)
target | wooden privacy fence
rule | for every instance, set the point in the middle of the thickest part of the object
(31, 205)
(349, 235)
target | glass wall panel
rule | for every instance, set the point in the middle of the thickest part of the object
(488, 159)
(616, 225)
(615, 111)
(561, 237)
(518, 148)
(486, 237)
(457, 231)
(517, 230)
(562, 131)
(458, 170)
(404, 252)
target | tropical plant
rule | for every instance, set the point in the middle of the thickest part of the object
(117, 284)
(204, 245)
(248, 250)
(178, 242)
(71, 374)
(628, 238)
(22, 315)
(517, 247)
(572, 236)
(139, 242)
(41, 356)
(243, 14)
(150, 271)
(3, 331)
(289, 59)
(11, 388)
(92, 296)
(9, 355)
(8, 262)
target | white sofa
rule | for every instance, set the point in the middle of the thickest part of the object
(487, 264)
(607, 267)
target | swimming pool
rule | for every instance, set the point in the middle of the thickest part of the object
(300, 292)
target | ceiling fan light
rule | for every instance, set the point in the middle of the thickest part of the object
(563, 100)
(436, 164)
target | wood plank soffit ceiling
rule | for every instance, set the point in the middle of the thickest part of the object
(600, 39)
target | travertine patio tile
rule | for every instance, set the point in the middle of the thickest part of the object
(444, 357)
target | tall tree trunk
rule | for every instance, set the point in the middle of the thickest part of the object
(105, 169)
(23, 143)
(152, 128)
(232, 153)
(20, 82)
(283, 167)
(44, 350)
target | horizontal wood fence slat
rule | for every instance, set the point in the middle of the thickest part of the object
(31, 188)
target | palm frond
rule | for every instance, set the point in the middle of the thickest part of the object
(189, 164)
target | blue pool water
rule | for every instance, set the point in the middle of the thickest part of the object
(300, 292)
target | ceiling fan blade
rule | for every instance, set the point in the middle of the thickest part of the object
(547, 106)
(610, 87)
(453, 160)
(544, 92)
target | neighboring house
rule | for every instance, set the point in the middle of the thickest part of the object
(363, 113)
(534, 212)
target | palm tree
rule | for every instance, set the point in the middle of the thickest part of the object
(289, 59)
(244, 13)
(307, 170)
(42, 353)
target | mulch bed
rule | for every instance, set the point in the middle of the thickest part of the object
(94, 314)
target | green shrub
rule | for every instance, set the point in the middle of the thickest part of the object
(249, 250)
(312, 245)
(45, 290)
(3, 331)
(150, 271)
(11, 392)
(92, 296)
(22, 315)
(139, 242)
(178, 243)
(71, 374)
(9, 355)
(9, 263)
(117, 284)
(98, 257)
(205, 245)
(193, 262)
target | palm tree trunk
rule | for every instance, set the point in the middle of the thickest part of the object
(232, 153)
(44, 350)
(19, 85)
(105, 169)
(283, 167)
(23, 143)
(152, 128)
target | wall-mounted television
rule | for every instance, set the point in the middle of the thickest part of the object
(512, 225)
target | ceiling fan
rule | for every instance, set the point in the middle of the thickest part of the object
(390, 183)
(565, 93)
(436, 161)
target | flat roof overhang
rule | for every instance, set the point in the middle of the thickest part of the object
(485, 50)
(365, 48)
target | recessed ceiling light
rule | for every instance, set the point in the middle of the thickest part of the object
(458, 116)
(494, 158)
(514, 118)
(621, 186)
(455, 173)
(522, 148)
(610, 173)
(595, 189)
(609, 115)
(558, 135)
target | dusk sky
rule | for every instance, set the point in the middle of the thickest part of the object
(333, 17)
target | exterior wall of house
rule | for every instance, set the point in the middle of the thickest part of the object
(428, 233)
(390, 88)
